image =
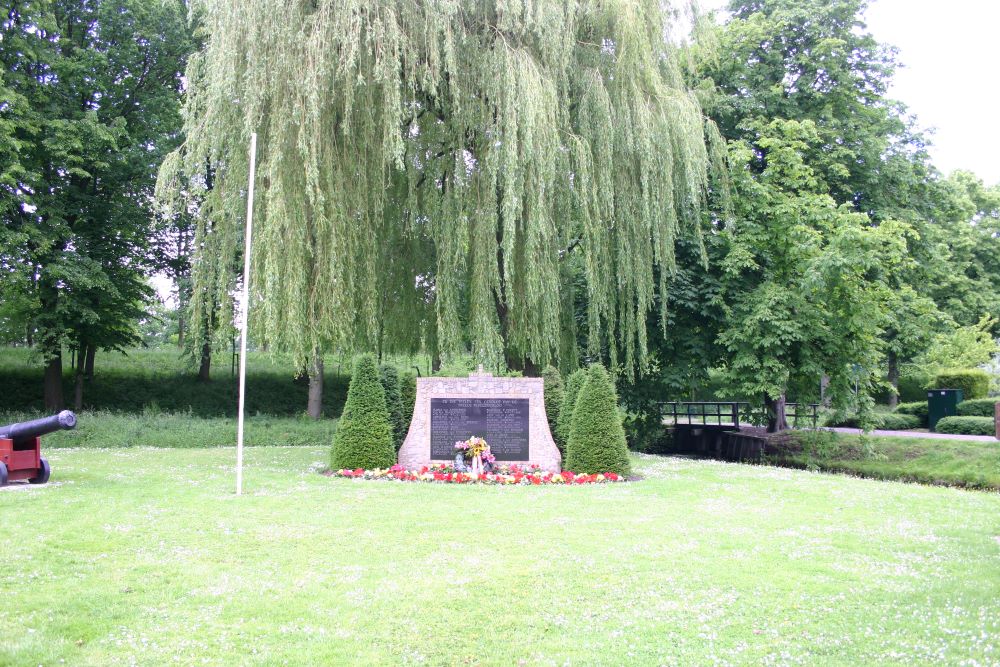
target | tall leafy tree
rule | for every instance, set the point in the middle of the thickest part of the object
(800, 87)
(800, 299)
(427, 169)
(96, 86)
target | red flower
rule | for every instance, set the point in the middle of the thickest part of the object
(612, 476)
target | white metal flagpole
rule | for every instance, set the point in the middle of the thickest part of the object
(245, 302)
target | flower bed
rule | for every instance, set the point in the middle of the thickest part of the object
(446, 474)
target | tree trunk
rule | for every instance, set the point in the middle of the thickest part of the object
(78, 389)
(205, 369)
(180, 330)
(824, 384)
(893, 360)
(315, 404)
(53, 391)
(88, 366)
(776, 420)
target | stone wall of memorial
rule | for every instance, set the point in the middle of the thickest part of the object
(509, 413)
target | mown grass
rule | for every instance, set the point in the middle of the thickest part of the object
(141, 556)
(971, 464)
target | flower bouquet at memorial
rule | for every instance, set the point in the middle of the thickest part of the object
(476, 454)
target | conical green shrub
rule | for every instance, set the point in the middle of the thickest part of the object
(565, 420)
(393, 403)
(553, 396)
(364, 435)
(597, 439)
(408, 397)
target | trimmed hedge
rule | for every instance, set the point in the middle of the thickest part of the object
(389, 378)
(978, 407)
(888, 421)
(408, 398)
(565, 422)
(899, 422)
(966, 425)
(973, 382)
(597, 438)
(553, 396)
(364, 435)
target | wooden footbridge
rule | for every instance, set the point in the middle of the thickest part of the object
(729, 430)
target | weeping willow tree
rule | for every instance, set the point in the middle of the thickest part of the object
(428, 169)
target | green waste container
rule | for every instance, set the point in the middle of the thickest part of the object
(942, 403)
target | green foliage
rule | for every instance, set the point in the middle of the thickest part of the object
(798, 299)
(966, 425)
(135, 382)
(364, 435)
(802, 85)
(407, 398)
(917, 408)
(886, 421)
(574, 383)
(435, 163)
(597, 439)
(91, 104)
(553, 395)
(978, 407)
(154, 428)
(973, 382)
(389, 378)
(898, 422)
(964, 347)
(913, 387)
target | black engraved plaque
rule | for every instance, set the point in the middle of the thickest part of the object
(502, 422)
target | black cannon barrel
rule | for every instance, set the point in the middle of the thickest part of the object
(36, 427)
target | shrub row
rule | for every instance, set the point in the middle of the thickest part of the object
(181, 430)
(891, 421)
(966, 426)
(144, 382)
(978, 407)
(917, 409)
(973, 382)
(899, 422)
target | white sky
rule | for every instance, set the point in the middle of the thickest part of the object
(950, 75)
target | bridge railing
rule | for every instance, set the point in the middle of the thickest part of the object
(733, 413)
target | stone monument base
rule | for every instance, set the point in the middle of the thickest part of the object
(509, 413)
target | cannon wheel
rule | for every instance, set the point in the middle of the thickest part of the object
(43, 474)
(3, 474)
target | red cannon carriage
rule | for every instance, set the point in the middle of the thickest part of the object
(21, 448)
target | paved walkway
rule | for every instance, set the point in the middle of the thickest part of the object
(919, 434)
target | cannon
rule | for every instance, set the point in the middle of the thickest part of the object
(21, 448)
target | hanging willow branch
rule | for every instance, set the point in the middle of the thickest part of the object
(425, 164)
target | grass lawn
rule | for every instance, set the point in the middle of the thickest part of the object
(145, 556)
(972, 464)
